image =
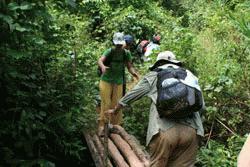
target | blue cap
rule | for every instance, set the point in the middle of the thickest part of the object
(128, 38)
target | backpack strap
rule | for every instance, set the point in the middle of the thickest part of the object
(144, 48)
(111, 54)
(123, 74)
(124, 53)
(109, 58)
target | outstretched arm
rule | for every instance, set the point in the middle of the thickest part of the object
(140, 90)
(131, 70)
(101, 65)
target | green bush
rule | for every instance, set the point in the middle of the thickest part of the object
(219, 154)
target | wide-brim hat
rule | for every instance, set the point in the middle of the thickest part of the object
(167, 56)
(118, 39)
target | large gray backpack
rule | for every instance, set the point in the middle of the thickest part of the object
(175, 98)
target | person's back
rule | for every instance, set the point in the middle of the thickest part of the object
(171, 142)
(152, 46)
(129, 42)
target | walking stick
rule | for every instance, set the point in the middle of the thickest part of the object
(106, 135)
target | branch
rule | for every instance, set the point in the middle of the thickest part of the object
(226, 127)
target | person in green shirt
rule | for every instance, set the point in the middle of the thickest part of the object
(112, 78)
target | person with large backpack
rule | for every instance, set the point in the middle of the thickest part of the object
(174, 121)
(112, 69)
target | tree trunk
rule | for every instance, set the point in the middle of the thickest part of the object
(134, 144)
(115, 155)
(100, 149)
(97, 159)
(126, 150)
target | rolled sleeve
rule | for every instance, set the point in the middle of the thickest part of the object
(140, 90)
(128, 56)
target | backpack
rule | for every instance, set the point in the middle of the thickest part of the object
(142, 47)
(175, 98)
(108, 61)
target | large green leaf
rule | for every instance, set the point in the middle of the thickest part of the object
(13, 6)
(8, 19)
(24, 6)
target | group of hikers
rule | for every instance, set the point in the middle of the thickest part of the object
(175, 124)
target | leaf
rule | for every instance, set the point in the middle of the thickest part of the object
(16, 54)
(42, 135)
(42, 104)
(13, 6)
(218, 89)
(229, 82)
(71, 3)
(25, 6)
(13, 74)
(42, 113)
(19, 28)
(39, 41)
(8, 20)
(32, 76)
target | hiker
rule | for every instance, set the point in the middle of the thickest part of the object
(129, 42)
(131, 46)
(146, 47)
(244, 156)
(173, 131)
(153, 45)
(113, 78)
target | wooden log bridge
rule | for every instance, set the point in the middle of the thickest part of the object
(123, 150)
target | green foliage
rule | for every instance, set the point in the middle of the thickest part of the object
(44, 108)
(217, 154)
(241, 18)
(48, 81)
(136, 119)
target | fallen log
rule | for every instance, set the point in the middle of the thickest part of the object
(123, 149)
(134, 144)
(100, 149)
(92, 148)
(126, 150)
(115, 154)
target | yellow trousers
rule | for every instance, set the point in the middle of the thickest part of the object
(110, 95)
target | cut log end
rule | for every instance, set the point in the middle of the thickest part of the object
(124, 150)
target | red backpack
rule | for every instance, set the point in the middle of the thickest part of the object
(142, 47)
